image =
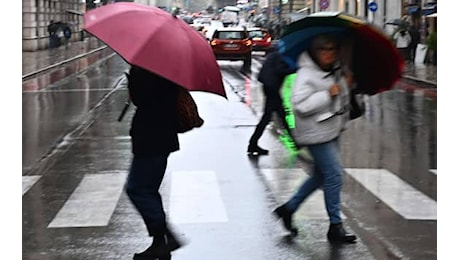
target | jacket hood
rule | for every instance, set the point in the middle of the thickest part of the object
(305, 60)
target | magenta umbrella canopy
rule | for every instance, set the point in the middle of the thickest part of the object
(158, 41)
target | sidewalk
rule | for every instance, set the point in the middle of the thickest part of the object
(34, 62)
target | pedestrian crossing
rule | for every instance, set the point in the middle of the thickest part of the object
(28, 182)
(396, 193)
(93, 201)
(196, 196)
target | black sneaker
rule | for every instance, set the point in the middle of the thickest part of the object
(256, 150)
(337, 233)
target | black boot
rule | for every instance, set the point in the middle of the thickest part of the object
(163, 244)
(337, 233)
(157, 250)
(254, 149)
(286, 216)
(171, 240)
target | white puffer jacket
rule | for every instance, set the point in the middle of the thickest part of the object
(317, 114)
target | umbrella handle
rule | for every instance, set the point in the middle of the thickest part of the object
(125, 109)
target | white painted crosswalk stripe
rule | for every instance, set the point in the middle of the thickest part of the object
(28, 182)
(396, 193)
(280, 180)
(434, 171)
(195, 198)
(93, 201)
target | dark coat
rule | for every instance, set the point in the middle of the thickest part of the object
(415, 36)
(154, 126)
(273, 72)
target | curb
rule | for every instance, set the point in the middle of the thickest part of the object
(421, 82)
(42, 70)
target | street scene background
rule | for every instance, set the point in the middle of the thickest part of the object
(70, 134)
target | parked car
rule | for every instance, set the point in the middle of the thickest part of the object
(232, 44)
(261, 39)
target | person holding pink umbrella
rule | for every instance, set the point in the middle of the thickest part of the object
(153, 136)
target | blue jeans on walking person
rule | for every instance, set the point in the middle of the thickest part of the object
(327, 172)
(142, 187)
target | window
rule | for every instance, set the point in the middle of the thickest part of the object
(230, 35)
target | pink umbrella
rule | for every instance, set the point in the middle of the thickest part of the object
(158, 41)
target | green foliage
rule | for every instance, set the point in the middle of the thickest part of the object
(431, 41)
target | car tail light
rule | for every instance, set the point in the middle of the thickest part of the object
(248, 43)
(213, 43)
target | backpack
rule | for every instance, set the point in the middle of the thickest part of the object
(67, 32)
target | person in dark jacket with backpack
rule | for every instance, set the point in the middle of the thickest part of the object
(153, 136)
(272, 74)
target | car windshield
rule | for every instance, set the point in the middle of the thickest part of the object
(235, 35)
(256, 34)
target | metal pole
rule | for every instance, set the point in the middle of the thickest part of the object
(280, 2)
(384, 11)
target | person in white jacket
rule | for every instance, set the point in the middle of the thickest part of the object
(320, 100)
(403, 41)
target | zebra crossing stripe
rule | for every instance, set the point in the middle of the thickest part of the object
(93, 201)
(195, 198)
(284, 182)
(396, 193)
(28, 182)
(434, 171)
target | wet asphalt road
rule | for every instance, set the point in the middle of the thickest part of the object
(70, 129)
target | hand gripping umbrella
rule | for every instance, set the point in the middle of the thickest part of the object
(375, 61)
(158, 41)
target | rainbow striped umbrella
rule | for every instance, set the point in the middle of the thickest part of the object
(375, 61)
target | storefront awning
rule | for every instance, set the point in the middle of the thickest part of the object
(412, 9)
(429, 8)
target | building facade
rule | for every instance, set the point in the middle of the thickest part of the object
(37, 14)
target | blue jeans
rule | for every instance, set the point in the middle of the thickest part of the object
(142, 187)
(327, 172)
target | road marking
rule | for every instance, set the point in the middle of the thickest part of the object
(93, 201)
(195, 198)
(396, 193)
(434, 171)
(67, 90)
(28, 182)
(284, 182)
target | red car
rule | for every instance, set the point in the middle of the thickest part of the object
(261, 39)
(232, 44)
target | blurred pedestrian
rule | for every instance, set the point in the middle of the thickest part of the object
(415, 40)
(271, 75)
(319, 99)
(403, 41)
(67, 34)
(153, 136)
(53, 39)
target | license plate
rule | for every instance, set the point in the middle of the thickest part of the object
(257, 39)
(231, 45)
